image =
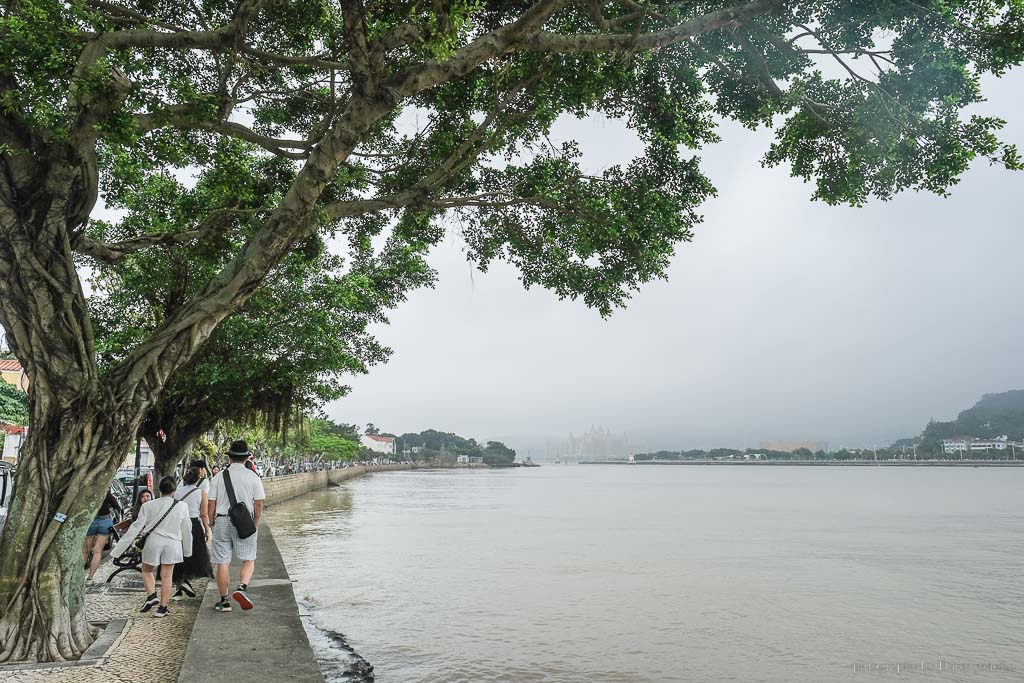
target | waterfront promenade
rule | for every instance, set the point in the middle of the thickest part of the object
(268, 643)
(265, 644)
(132, 647)
(197, 643)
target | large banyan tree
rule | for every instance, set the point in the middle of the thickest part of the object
(111, 96)
(284, 353)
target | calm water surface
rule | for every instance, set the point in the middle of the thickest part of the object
(575, 573)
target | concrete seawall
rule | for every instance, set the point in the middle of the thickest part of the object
(264, 645)
(267, 644)
(280, 489)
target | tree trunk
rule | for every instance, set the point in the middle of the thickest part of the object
(79, 427)
(64, 469)
(179, 432)
(81, 422)
(167, 455)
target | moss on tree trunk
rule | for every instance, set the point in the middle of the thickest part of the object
(63, 473)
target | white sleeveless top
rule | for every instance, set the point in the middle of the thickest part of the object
(194, 500)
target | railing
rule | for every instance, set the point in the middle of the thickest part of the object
(287, 469)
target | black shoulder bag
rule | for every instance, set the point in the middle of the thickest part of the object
(238, 513)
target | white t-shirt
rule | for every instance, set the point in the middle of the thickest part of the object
(193, 500)
(247, 485)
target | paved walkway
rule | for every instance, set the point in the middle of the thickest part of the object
(146, 649)
(265, 644)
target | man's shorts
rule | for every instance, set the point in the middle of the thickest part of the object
(100, 526)
(161, 550)
(225, 539)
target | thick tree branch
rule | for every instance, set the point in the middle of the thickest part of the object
(112, 9)
(229, 37)
(168, 116)
(315, 61)
(422, 200)
(365, 66)
(488, 46)
(459, 160)
(111, 252)
(760, 64)
(279, 146)
(622, 42)
(188, 116)
(398, 36)
(148, 365)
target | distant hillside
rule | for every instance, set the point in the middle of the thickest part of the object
(994, 415)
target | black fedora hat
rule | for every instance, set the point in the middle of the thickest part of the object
(239, 447)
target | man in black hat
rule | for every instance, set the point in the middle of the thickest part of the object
(248, 489)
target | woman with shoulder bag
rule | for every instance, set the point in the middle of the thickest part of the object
(163, 531)
(193, 492)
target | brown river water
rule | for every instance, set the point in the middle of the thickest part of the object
(647, 574)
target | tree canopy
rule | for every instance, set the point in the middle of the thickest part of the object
(867, 99)
(287, 120)
(287, 349)
(325, 437)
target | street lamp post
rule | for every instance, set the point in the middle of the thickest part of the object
(138, 466)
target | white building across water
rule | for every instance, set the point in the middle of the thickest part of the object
(966, 444)
(380, 444)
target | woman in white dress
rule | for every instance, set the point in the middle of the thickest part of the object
(168, 530)
(192, 491)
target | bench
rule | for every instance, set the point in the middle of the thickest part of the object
(132, 558)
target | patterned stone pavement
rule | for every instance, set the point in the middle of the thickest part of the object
(148, 650)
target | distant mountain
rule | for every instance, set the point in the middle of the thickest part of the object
(994, 415)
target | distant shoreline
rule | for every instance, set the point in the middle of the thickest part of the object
(818, 463)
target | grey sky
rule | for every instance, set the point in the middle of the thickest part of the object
(784, 319)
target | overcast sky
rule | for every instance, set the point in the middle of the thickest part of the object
(784, 319)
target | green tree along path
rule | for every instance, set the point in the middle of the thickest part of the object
(121, 97)
(325, 439)
(13, 405)
(286, 349)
